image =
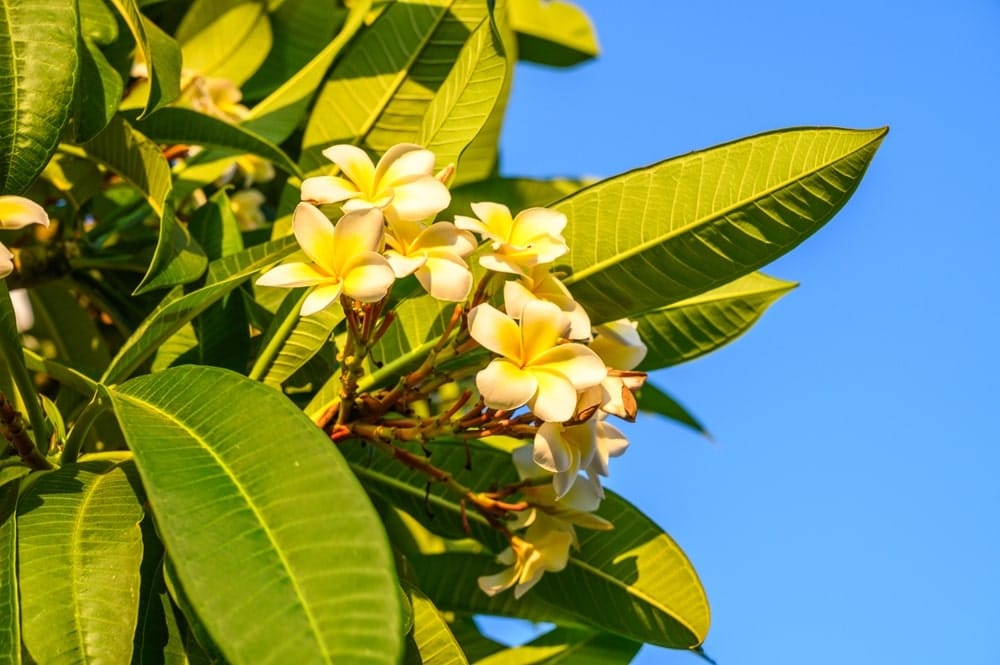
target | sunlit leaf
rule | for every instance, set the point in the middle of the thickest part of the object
(431, 642)
(568, 647)
(552, 32)
(160, 53)
(10, 611)
(302, 545)
(652, 399)
(79, 548)
(61, 320)
(226, 40)
(691, 328)
(651, 237)
(38, 56)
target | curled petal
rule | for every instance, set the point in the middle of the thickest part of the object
(291, 275)
(17, 212)
(495, 331)
(579, 364)
(550, 451)
(494, 584)
(505, 386)
(327, 189)
(501, 263)
(368, 277)
(618, 344)
(542, 324)
(6, 261)
(496, 218)
(610, 443)
(446, 235)
(555, 399)
(473, 225)
(420, 199)
(535, 222)
(524, 462)
(315, 235)
(564, 481)
(515, 296)
(355, 164)
(355, 234)
(320, 298)
(403, 162)
(404, 265)
(445, 277)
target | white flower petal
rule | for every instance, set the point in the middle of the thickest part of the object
(501, 263)
(17, 212)
(404, 265)
(420, 199)
(550, 451)
(555, 399)
(495, 331)
(403, 163)
(563, 482)
(368, 277)
(535, 222)
(524, 462)
(6, 261)
(515, 296)
(445, 277)
(505, 386)
(355, 164)
(327, 189)
(291, 275)
(445, 235)
(494, 584)
(576, 362)
(618, 344)
(496, 218)
(321, 297)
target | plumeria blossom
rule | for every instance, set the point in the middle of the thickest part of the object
(541, 550)
(533, 367)
(216, 97)
(402, 184)
(619, 346)
(345, 258)
(17, 212)
(565, 450)
(246, 208)
(541, 284)
(532, 238)
(435, 254)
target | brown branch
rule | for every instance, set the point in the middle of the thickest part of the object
(12, 429)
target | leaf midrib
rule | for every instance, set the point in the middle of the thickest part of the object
(622, 257)
(15, 89)
(316, 632)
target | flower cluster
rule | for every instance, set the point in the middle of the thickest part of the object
(17, 212)
(551, 376)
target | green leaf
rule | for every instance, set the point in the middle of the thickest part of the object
(652, 399)
(178, 125)
(467, 97)
(651, 237)
(38, 55)
(226, 40)
(300, 337)
(475, 645)
(431, 642)
(160, 53)
(303, 546)
(60, 319)
(98, 93)
(553, 32)
(79, 551)
(634, 581)
(391, 73)
(691, 328)
(178, 259)
(10, 611)
(566, 645)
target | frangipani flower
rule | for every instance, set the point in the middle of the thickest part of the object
(534, 368)
(619, 346)
(345, 258)
(565, 450)
(540, 284)
(541, 550)
(216, 97)
(436, 254)
(17, 212)
(402, 184)
(575, 508)
(532, 238)
(246, 208)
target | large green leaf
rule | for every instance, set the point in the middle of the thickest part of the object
(651, 237)
(100, 87)
(467, 97)
(10, 614)
(652, 399)
(691, 328)
(178, 259)
(160, 53)
(431, 642)
(60, 319)
(79, 548)
(552, 32)
(634, 581)
(38, 57)
(299, 338)
(262, 520)
(568, 647)
(378, 94)
(226, 40)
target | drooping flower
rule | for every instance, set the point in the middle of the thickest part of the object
(542, 549)
(345, 258)
(435, 254)
(541, 284)
(534, 368)
(532, 238)
(575, 508)
(618, 344)
(565, 450)
(246, 208)
(402, 184)
(17, 212)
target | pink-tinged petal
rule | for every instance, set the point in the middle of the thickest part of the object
(501, 263)
(17, 212)
(535, 222)
(446, 235)
(315, 235)
(327, 189)
(356, 233)
(579, 364)
(550, 451)
(291, 275)
(496, 331)
(368, 278)
(355, 164)
(445, 277)
(403, 163)
(404, 265)
(505, 386)
(515, 296)
(320, 298)
(6, 261)
(496, 217)
(542, 324)
(555, 398)
(494, 584)
(420, 199)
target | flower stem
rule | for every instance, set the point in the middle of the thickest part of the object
(12, 429)
(10, 349)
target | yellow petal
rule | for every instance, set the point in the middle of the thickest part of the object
(494, 584)
(368, 278)
(535, 222)
(355, 164)
(355, 234)
(420, 199)
(321, 297)
(291, 275)
(496, 217)
(495, 331)
(6, 261)
(579, 364)
(447, 236)
(315, 235)
(17, 212)
(618, 344)
(542, 324)
(505, 386)
(327, 189)
(445, 277)
(555, 398)
(403, 162)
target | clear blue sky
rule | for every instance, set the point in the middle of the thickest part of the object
(848, 510)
